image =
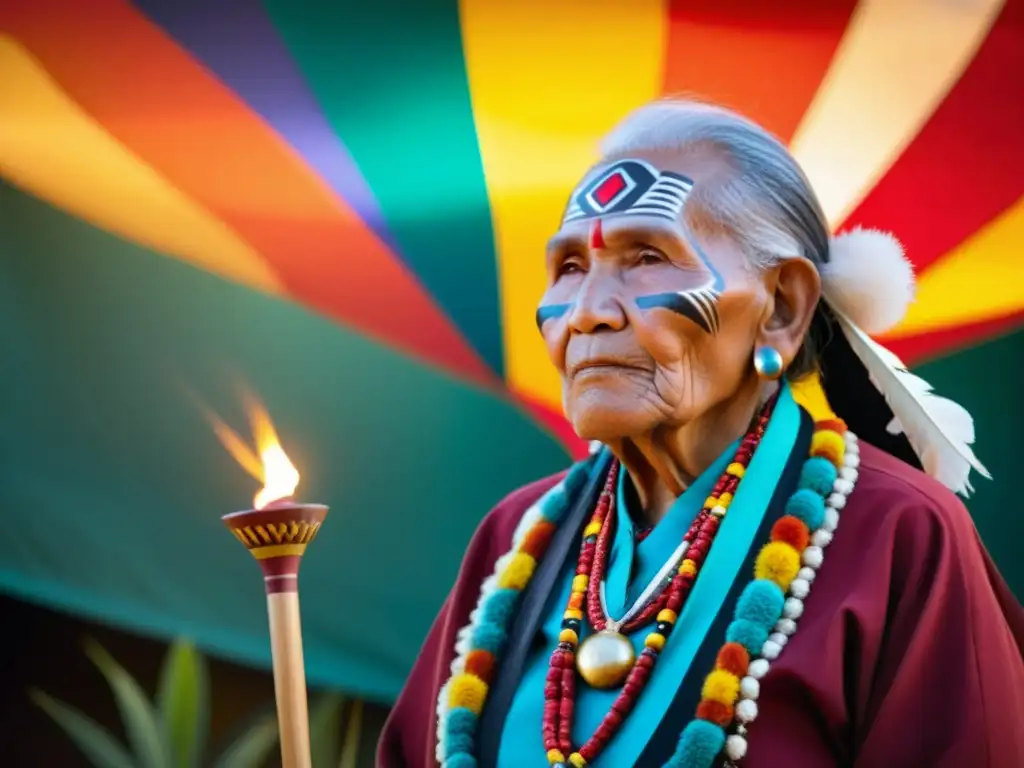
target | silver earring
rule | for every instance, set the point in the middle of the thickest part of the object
(768, 363)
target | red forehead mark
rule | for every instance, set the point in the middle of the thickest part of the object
(597, 235)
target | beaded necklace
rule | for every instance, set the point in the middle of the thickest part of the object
(606, 658)
(766, 613)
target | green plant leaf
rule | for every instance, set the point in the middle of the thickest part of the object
(97, 744)
(252, 747)
(353, 734)
(183, 700)
(325, 728)
(145, 733)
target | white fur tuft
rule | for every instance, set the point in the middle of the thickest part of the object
(868, 279)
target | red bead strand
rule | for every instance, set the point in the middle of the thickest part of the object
(560, 684)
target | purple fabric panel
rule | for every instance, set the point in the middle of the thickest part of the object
(236, 40)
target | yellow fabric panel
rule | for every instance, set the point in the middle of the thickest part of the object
(894, 66)
(982, 279)
(53, 149)
(547, 80)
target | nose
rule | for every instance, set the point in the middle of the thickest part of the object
(597, 306)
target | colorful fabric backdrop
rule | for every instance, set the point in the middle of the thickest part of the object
(344, 204)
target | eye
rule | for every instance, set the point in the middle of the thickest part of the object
(650, 256)
(569, 266)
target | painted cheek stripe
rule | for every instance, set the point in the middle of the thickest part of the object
(550, 312)
(699, 306)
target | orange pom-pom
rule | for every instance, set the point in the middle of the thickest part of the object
(793, 531)
(536, 541)
(834, 425)
(734, 658)
(715, 712)
(481, 664)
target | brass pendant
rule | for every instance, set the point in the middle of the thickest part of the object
(605, 658)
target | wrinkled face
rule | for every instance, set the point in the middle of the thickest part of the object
(648, 324)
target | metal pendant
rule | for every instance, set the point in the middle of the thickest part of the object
(604, 659)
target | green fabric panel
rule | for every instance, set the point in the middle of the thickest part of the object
(986, 380)
(112, 483)
(391, 79)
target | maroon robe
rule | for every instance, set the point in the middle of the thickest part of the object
(909, 652)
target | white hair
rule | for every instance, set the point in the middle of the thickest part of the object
(766, 203)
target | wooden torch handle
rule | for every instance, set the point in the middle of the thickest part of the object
(289, 678)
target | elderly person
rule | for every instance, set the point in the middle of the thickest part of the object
(668, 601)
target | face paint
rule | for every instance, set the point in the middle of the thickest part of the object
(698, 304)
(630, 187)
(637, 188)
(550, 312)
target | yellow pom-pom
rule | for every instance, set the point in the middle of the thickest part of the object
(517, 574)
(735, 469)
(655, 640)
(721, 686)
(725, 500)
(592, 529)
(579, 582)
(710, 502)
(555, 756)
(667, 615)
(568, 636)
(688, 568)
(777, 562)
(830, 445)
(577, 760)
(467, 691)
(572, 613)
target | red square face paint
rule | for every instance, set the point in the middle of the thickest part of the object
(630, 187)
(597, 235)
(610, 188)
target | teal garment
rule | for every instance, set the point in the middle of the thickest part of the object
(521, 741)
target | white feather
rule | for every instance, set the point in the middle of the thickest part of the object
(939, 430)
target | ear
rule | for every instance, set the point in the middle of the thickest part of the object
(794, 287)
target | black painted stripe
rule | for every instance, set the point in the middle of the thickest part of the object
(680, 303)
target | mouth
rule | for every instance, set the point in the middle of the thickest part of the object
(598, 365)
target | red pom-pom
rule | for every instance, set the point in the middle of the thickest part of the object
(715, 712)
(537, 539)
(481, 664)
(733, 658)
(793, 531)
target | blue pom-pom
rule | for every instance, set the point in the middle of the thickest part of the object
(761, 603)
(818, 474)
(748, 634)
(809, 506)
(699, 745)
(460, 760)
(460, 721)
(499, 605)
(461, 743)
(488, 637)
(554, 506)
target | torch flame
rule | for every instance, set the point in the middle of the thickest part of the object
(269, 464)
(280, 478)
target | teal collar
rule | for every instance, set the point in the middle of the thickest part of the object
(631, 566)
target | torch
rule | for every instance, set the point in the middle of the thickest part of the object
(276, 532)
